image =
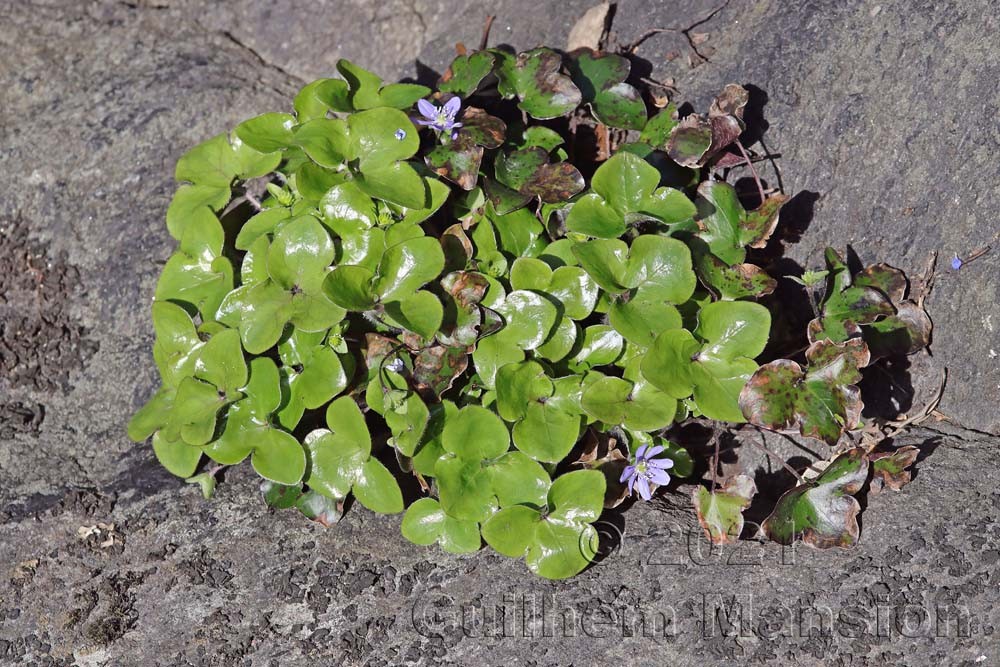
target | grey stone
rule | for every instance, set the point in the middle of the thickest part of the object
(887, 112)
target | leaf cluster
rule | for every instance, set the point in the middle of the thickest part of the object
(355, 298)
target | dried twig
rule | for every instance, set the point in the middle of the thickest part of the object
(870, 441)
(486, 32)
(927, 278)
(635, 44)
(777, 458)
(756, 178)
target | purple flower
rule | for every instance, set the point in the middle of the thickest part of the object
(646, 471)
(440, 118)
(956, 263)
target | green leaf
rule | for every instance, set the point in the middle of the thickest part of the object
(512, 530)
(464, 488)
(377, 489)
(518, 480)
(324, 140)
(475, 433)
(152, 416)
(601, 346)
(398, 183)
(211, 163)
(364, 86)
(624, 191)
(308, 104)
(517, 385)
(312, 181)
(644, 317)
(221, 362)
(407, 266)
(260, 225)
(534, 77)
(193, 204)
(195, 411)
(465, 73)
(317, 373)
(195, 281)
(351, 287)
(657, 130)
(261, 312)
(267, 133)
(652, 263)
(338, 455)
(601, 80)
(491, 354)
(278, 457)
(300, 254)
(530, 319)
(345, 209)
(721, 213)
(822, 513)
(420, 312)
(721, 512)
(632, 402)
(548, 431)
(373, 138)
(426, 523)
(716, 370)
(561, 551)
(177, 343)
(733, 329)
(577, 496)
(178, 457)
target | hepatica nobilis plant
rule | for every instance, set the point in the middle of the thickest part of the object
(503, 296)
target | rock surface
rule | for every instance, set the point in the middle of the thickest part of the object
(885, 116)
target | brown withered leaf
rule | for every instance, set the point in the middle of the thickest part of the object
(600, 452)
(730, 102)
(377, 348)
(890, 469)
(589, 28)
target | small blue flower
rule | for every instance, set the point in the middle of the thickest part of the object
(956, 263)
(440, 118)
(646, 471)
(400, 134)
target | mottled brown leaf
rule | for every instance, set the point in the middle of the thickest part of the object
(890, 469)
(435, 368)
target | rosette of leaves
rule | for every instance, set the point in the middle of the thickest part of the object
(456, 302)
